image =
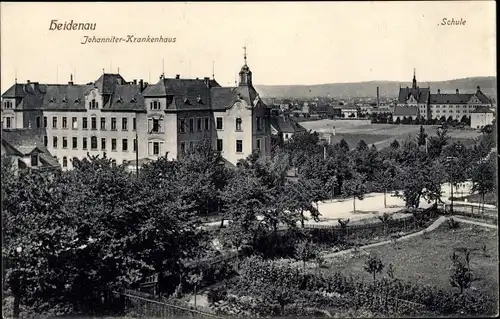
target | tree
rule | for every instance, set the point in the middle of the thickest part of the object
(398, 120)
(362, 146)
(354, 187)
(385, 219)
(395, 144)
(420, 176)
(484, 178)
(195, 279)
(385, 177)
(438, 142)
(461, 276)
(305, 250)
(422, 136)
(344, 146)
(374, 265)
(343, 224)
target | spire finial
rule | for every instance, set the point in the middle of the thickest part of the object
(163, 67)
(103, 71)
(118, 70)
(245, 54)
(15, 71)
(213, 70)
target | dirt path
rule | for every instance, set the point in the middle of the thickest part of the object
(432, 227)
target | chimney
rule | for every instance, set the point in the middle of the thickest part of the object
(478, 88)
(207, 81)
(457, 91)
(141, 85)
(134, 81)
(28, 81)
(70, 79)
(177, 76)
(439, 91)
(378, 96)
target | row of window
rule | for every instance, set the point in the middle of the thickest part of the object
(93, 143)
(451, 111)
(451, 106)
(85, 123)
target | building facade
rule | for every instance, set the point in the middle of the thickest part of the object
(416, 102)
(481, 117)
(120, 118)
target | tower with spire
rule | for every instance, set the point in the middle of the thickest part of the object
(245, 73)
(414, 85)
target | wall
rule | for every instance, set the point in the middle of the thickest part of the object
(479, 120)
(229, 135)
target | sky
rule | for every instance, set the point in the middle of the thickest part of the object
(287, 43)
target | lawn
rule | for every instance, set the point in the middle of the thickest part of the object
(427, 260)
(382, 134)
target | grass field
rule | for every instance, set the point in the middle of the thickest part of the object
(427, 260)
(381, 134)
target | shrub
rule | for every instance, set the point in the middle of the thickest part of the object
(216, 294)
(453, 224)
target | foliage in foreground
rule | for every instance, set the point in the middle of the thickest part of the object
(278, 288)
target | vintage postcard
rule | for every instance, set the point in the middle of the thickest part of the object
(249, 159)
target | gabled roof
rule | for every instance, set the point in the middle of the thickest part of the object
(405, 111)
(224, 97)
(482, 109)
(286, 125)
(25, 141)
(420, 94)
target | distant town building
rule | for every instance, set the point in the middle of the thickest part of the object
(167, 117)
(420, 102)
(285, 127)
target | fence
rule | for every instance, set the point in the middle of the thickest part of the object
(142, 305)
(485, 213)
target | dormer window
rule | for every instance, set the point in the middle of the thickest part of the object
(186, 101)
(77, 100)
(64, 100)
(119, 100)
(93, 104)
(34, 159)
(155, 105)
(133, 100)
(52, 100)
(199, 100)
(7, 104)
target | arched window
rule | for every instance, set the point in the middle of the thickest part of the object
(65, 161)
(238, 124)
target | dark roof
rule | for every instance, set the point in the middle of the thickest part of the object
(17, 90)
(182, 94)
(286, 125)
(459, 98)
(108, 82)
(126, 97)
(25, 141)
(482, 109)
(405, 111)
(420, 94)
(224, 97)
